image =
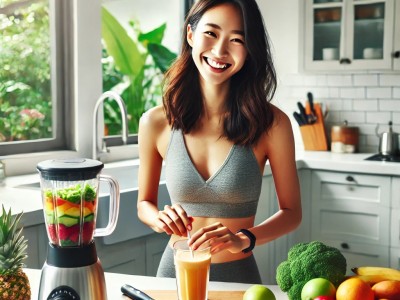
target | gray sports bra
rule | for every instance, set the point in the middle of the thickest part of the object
(232, 192)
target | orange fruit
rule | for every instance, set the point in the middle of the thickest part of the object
(354, 289)
(387, 289)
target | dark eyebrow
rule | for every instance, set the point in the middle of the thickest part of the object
(218, 27)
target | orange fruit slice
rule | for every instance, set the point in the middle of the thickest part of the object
(354, 289)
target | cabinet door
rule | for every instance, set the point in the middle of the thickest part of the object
(396, 52)
(37, 245)
(350, 207)
(369, 38)
(349, 34)
(126, 257)
(395, 258)
(359, 254)
(155, 245)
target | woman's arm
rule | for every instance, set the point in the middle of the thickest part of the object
(153, 138)
(279, 147)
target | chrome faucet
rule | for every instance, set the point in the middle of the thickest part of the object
(98, 150)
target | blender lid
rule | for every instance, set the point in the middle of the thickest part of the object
(69, 169)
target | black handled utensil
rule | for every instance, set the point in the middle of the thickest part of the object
(298, 118)
(134, 293)
(312, 118)
(303, 114)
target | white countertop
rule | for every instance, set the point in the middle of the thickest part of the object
(115, 281)
(28, 199)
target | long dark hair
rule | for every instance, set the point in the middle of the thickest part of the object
(251, 89)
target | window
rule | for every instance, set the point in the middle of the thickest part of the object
(34, 46)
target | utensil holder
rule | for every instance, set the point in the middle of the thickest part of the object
(314, 135)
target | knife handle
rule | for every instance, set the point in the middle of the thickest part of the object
(134, 293)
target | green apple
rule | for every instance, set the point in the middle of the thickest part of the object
(317, 287)
(258, 292)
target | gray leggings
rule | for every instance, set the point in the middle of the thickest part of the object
(242, 271)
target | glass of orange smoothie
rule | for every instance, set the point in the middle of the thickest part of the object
(192, 271)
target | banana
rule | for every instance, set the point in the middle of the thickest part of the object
(367, 270)
(372, 279)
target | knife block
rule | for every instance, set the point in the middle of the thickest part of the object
(314, 135)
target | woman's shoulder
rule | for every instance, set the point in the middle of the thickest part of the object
(154, 117)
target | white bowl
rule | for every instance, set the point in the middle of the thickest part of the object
(372, 53)
(330, 54)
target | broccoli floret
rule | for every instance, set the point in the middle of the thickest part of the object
(307, 261)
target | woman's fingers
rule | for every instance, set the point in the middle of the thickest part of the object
(217, 236)
(173, 220)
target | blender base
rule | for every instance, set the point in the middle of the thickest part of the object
(79, 283)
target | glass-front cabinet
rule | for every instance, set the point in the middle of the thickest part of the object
(396, 53)
(349, 34)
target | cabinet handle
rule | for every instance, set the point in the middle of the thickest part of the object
(396, 54)
(344, 61)
(350, 179)
(345, 246)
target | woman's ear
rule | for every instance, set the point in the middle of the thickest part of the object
(189, 35)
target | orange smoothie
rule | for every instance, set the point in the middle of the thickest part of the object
(192, 274)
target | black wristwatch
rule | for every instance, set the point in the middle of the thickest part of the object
(251, 237)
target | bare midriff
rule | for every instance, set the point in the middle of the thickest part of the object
(234, 224)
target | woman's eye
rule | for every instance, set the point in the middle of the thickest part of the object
(238, 41)
(210, 33)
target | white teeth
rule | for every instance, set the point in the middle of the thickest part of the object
(215, 64)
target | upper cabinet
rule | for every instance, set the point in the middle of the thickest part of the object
(352, 35)
(396, 53)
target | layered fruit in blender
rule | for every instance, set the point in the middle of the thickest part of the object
(70, 214)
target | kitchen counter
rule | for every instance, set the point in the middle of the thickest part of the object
(22, 192)
(115, 281)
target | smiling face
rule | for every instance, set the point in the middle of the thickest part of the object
(218, 44)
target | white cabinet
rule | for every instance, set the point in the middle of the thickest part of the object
(395, 224)
(396, 52)
(352, 213)
(349, 34)
(37, 245)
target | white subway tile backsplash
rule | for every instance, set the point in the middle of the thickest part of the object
(339, 80)
(396, 93)
(379, 92)
(389, 105)
(363, 99)
(365, 80)
(365, 105)
(389, 79)
(378, 117)
(351, 92)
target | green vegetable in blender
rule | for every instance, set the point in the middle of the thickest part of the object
(307, 261)
(75, 193)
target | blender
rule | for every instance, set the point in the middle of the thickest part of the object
(70, 194)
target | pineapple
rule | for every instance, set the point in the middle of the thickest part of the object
(14, 283)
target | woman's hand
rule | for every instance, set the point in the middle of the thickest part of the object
(173, 220)
(218, 237)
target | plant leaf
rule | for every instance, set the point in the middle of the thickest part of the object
(155, 36)
(120, 46)
(161, 56)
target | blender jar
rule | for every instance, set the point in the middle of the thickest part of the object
(70, 196)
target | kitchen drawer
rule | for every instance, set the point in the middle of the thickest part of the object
(395, 258)
(395, 228)
(360, 254)
(396, 190)
(350, 209)
(358, 189)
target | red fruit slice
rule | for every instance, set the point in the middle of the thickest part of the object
(88, 228)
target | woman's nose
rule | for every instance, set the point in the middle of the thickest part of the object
(220, 49)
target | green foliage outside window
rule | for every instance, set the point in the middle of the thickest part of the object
(133, 65)
(25, 94)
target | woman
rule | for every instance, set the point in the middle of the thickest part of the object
(215, 131)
